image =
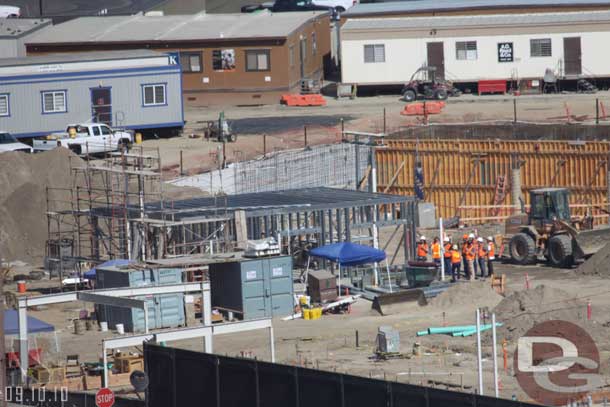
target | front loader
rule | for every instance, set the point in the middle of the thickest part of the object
(549, 231)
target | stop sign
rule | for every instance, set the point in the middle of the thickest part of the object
(104, 398)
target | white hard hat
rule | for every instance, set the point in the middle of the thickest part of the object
(422, 238)
(480, 239)
(454, 247)
(446, 239)
(490, 238)
(471, 236)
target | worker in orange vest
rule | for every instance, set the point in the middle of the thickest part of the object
(491, 255)
(422, 249)
(456, 260)
(436, 252)
(447, 254)
(465, 262)
(470, 255)
(481, 255)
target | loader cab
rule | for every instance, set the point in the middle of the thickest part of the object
(549, 204)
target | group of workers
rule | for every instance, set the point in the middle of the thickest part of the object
(474, 254)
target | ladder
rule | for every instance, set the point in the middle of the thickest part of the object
(499, 195)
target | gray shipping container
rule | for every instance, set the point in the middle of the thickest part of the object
(164, 311)
(255, 288)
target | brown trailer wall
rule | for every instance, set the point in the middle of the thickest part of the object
(454, 160)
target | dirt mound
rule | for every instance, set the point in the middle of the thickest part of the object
(521, 310)
(598, 264)
(475, 293)
(23, 182)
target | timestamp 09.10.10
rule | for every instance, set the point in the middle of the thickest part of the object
(20, 395)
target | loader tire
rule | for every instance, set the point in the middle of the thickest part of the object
(560, 251)
(523, 249)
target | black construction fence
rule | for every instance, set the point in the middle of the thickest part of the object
(58, 397)
(180, 378)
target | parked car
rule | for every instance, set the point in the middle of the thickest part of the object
(280, 6)
(83, 139)
(10, 12)
(339, 5)
(10, 143)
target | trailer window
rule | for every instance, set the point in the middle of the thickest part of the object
(374, 53)
(54, 101)
(191, 61)
(541, 47)
(466, 50)
(4, 105)
(257, 60)
(154, 94)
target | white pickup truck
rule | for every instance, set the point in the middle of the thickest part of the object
(84, 139)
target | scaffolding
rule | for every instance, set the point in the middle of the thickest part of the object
(116, 208)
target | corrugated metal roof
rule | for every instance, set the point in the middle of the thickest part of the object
(18, 27)
(421, 6)
(478, 21)
(79, 57)
(202, 26)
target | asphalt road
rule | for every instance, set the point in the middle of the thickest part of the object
(30, 8)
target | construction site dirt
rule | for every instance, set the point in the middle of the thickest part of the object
(335, 342)
(441, 361)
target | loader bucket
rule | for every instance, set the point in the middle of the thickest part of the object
(591, 241)
(392, 303)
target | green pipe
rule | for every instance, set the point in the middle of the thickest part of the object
(470, 332)
(450, 329)
(422, 333)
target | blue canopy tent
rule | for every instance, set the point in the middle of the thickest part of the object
(11, 324)
(349, 254)
(117, 262)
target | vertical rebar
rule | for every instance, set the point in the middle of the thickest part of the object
(305, 136)
(181, 166)
(384, 121)
(264, 145)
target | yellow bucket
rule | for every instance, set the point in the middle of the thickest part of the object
(138, 138)
(306, 313)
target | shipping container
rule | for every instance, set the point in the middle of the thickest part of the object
(461, 176)
(164, 311)
(253, 288)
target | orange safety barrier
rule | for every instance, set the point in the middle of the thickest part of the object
(303, 100)
(417, 109)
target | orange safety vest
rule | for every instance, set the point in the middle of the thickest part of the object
(422, 249)
(436, 250)
(456, 257)
(482, 251)
(448, 251)
(470, 252)
(491, 252)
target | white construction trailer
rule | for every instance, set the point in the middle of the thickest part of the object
(469, 49)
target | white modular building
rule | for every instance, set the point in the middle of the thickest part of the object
(386, 51)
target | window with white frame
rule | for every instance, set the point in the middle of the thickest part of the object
(374, 53)
(314, 44)
(541, 47)
(54, 101)
(154, 94)
(466, 50)
(4, 107)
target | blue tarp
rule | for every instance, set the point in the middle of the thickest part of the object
(349, 254)
(11, 324)
(117, 262)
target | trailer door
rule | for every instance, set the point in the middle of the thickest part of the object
(572, 56)
(436, 57)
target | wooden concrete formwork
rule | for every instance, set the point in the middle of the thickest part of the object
(461, 176)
